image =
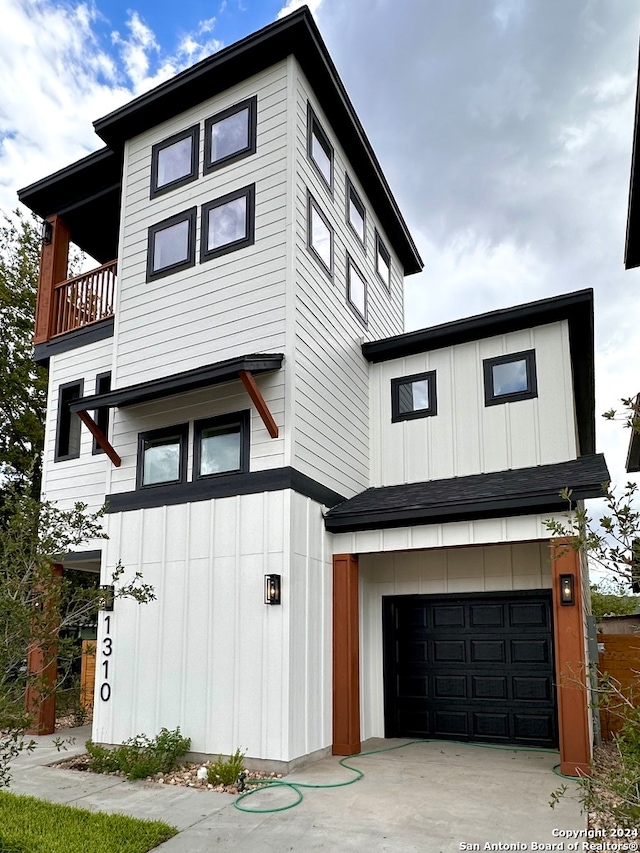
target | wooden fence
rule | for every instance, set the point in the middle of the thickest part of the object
(620, 661)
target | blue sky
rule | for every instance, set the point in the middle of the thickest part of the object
(504, 128)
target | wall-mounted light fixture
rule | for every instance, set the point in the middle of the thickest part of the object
(567, 589)
(47, 233)
(108, 596)
(272, 589)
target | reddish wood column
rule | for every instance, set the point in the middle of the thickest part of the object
(42, 666)
(54, 258)
(571, 664)
(346, 656)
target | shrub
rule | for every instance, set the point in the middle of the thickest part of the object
(140, 756)
(226, 772)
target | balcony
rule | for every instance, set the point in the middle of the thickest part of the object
(84, 299)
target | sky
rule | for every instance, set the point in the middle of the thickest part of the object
(504, 128)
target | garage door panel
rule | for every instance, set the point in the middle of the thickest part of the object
(534, 727)
(451, 724)
(529, 615)
(489, 687)
(494, 726)
(450, 687)
(413, 686)
(414, 652)
(486, 615)
(531, 651)
(488, 651)
(448, 617)
(530, 688)
(453, 651)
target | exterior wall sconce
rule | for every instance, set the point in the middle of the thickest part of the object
(272, 589)
(47, 233)
(567, 590)
(108, 596)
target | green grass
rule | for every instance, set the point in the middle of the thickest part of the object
(28, 825)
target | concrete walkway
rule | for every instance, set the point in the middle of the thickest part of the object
(422, 797)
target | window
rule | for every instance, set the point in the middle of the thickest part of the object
(383, 262)
(101, 416)
(68, 424)
(162, 456)
(319, 148)
(174, 161)
(320, 237)
(228, 223)
(171, 245)
(221, 445)
(413, 396)
(356, 291)
(230, 135)
(355, 212)
(509, 378)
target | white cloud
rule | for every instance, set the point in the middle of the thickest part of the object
(292, 5)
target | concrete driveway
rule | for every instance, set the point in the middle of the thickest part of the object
(421, 797)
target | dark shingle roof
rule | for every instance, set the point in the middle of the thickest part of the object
(501, 493)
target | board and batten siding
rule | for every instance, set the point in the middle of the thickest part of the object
(224, 307)
(331, 396)
(498, 568)
(466, 437)
(208, 655)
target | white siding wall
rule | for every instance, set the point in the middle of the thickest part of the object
(331, 379)
(227, 306)
(467, 437)
(484, 569)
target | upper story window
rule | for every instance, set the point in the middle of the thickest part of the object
(221, 445)
(357, 290)
(319, 148)
(101, 416)
(174, 161)
(508, 378)
(413, 396)
(162, 456)
(320, 236)
(68, 423)
(230, 135)
(171, 245)
(383, 262)
(356, 215)
(228, 223)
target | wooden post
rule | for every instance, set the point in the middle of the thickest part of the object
(346, 656)
(571, 664)
(54, 258)
(43, 664)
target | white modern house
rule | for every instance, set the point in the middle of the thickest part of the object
(343, 522)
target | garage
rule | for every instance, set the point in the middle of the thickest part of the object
(477, 667)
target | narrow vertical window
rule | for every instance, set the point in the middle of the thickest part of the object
(357, 291)
(320, 236)
(383, 262)
(68, 424)
(319, 148)
(356, 216)
(101, 416)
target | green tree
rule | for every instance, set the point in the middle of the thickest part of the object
(611, 600)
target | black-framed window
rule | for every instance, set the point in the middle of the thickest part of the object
(174, 161)
(356, 290)
(230, 135)
(319, 148)
(319, 236)
(221, 445)
(509, 378)
(383, 262)
(356, 212)
(68, 425)
(162, 456)
(414, 396)
(228, 223)
(101, 416)
(171, 244)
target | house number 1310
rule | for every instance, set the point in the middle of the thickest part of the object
(107, 651)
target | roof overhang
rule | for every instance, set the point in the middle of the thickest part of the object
(576, 308)
(632, 243)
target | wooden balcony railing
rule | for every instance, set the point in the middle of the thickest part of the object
(84, 299)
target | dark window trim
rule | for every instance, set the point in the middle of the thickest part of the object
(350, 191)
(492, 399)
(64, 421)
(382, 249)
(432, 409)
(313, 124)
(101, 415)
(252, 105)
(182, 430)
(363, 318)
(194, 133)
(241, 419)
(249, 193)
(186, 216)
(312, 203)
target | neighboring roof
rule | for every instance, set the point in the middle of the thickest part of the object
(576, 308)
(519, 491)
(632, 243)
(632, 465)
(295, 34)
(179, 383)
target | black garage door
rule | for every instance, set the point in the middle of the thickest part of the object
(470, 667)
